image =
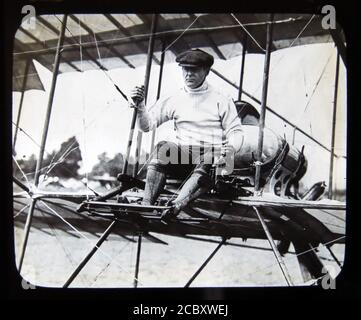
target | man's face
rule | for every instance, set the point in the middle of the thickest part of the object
(194, 76)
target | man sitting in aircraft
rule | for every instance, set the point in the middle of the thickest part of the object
(206, 124)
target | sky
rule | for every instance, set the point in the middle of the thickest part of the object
(86, 104)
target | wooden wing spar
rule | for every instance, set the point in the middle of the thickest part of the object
(111, 41)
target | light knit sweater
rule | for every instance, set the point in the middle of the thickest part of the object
(202, 116)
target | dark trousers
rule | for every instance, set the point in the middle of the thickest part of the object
(179, 161)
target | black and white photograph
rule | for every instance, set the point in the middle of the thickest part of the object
(179, 150)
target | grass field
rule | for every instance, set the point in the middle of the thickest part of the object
(55, 249)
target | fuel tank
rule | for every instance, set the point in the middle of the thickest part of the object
(282, 166)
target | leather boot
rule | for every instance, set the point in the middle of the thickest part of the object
(190, 191)
(154, 184)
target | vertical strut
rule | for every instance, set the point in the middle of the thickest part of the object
(21, 102)
(274, 248)
(43, 140)
(221, 76)
(293, 135)
(146, 86)
(136, 273)
(334, 118)
(130, 140)
(158, 91)
(50, 101)
(21, 185)
(263, 105)
(139, 137)
(29, 219)
(244, 48)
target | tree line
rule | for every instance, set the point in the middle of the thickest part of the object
(66, 162)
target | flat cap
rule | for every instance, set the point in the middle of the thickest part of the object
(195, 58)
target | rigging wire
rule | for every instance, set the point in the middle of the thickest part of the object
(146, 162)
(318, 82)
(284, 54)
(96, 45)
(96, 117)
(109, 263)
(22, 172)
(276, 253)
(294, 256)
(26, 134)
(185, 30)
(292, 43)
(67, 254)
(171, 44)
(61, 159)
(249, 34)
(55, 163)
(84, 125)
(102, 68)
(50, 165)
(274, 65)
(66, 153)
(160, 33)
(165, 50)
(303, 29)
(312, 94)
(89, 123)
(96, 42)
(21, 210)
(85, 237)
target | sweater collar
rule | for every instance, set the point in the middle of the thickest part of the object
(200, 89)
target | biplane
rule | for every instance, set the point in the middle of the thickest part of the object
(260, 199)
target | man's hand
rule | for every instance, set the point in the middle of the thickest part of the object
(137, 95)
(227, 150)
(225, 162)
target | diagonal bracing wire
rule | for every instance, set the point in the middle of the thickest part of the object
(294, 256)
(249, 34)
(53, 165)
(158, 33)
(183, 32)
(63, 157)
(66, 252)
(274, 65)
(85, 237)
(317, 82)
(313, 92)
(102, 68)
(22, 172)
(109, 263)
(21, 210)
